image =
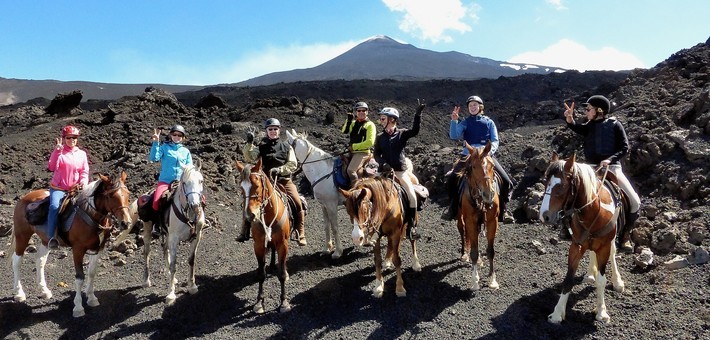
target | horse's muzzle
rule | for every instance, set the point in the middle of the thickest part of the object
(358, 236)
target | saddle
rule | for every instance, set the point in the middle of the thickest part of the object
(148, 214)
(420, 191)
(36, 213)
(341, 178)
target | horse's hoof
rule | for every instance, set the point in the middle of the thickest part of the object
(92, 302)
(475, 286)
(603, 317)
(589, 279)
(493, 285)
(465, 258)
(302, 242)
(46, 294)
(387, 265)
(377, 294)
(620, 287)
(77, 313)
(552, 318)
(417, 267)
(170, 299)
(192, 290)
(20, 298)
(259, 309)
(336, 255)
(402, 293)
(285, 307)
(147, 284)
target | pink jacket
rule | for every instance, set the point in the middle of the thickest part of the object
(70, 166)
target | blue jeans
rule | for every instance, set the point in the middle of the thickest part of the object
(55, 199)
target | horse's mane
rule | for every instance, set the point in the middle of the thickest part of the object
(383, 191)
(317, 152)
(584, 172)
(89, 190)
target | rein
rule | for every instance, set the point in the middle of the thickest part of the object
(305, 161)
(576, 214)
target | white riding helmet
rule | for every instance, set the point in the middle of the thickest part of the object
(390, 112)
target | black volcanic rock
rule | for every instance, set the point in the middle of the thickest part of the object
(64, 103)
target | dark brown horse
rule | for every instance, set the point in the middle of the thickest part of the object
(266, 210)
(97, 209)
(376, 209)
(574, 191)
(479, 206)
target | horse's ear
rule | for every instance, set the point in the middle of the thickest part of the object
(240, 166)
(289, 135)
(257, 166)
(555, 157)
(362, 194)
(293, 131)
(487, 149)
(345, 193)
(103, 177)
(198, 163)
(570, 162)
(468, 147)
(123, 176)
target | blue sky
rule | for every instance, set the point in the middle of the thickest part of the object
(227, 41)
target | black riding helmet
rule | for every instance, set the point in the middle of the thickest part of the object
(272, 122)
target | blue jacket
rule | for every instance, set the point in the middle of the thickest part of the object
(172, 158)
(476, 131)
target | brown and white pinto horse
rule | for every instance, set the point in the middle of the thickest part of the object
(479, 205)
(376, 209)
(574, 191)
(265, 208)
(98, 206)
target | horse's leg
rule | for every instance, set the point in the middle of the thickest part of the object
(387, 263)
(465, 244)
(19, 293)
(283, 275)
(575, 255)
(491, 230)
(40, 262)
(78, 256)
(191, 285)
(397, 259)
(147, 238)
(603, 256)
(616, 280)
(172, 266)
(91, 298)
(471, 229)
(415, 258)
(379, 282)
(18, 244)
(328, 226)
(592, 268)
(260, 253)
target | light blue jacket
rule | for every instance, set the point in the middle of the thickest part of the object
(476, 131)
(172, 158)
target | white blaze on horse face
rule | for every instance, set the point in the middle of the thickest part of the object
(358, 235)
(545, 206)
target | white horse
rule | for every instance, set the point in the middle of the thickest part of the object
(185, 223)
(317, 166)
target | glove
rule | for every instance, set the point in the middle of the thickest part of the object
(274, 172)
(250, 137)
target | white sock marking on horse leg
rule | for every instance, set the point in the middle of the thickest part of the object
(560, 310)
(602, 314)
(17, 284)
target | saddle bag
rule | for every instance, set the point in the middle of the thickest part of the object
(36, 212)
(340, 179)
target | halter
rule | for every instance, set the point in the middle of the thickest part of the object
(477, 197)
(182, 211)
(266, 201)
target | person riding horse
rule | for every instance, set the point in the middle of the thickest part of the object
(362, 133)
(476, 130)
(279, 162)
(389, 152)
(71, 172)
(605, 143)
(172, 155)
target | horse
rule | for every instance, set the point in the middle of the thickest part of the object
(93, 219)
(318, 167)
(185, 221)
(376, 209)
(266, 210)
(574, 191)
(479, 205)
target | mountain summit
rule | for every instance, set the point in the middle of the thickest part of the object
(382, 57)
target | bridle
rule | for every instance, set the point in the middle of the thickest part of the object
(305, 161)
(264, 201)
(182, 211)
(476, 196)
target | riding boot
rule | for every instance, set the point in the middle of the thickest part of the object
(452, 188)
(299, 220)
(410, 218)
(245, 233)
(624, 241)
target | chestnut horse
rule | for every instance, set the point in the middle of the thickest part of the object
(97, 208)
(573, 190)
(376, 209)
(479, 205)
(266, 210)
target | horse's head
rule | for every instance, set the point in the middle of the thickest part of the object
(358, 203)
(191, 187)
(480, 172)
(112, 197)
(257, 190)
(301, 147)
(559, 188)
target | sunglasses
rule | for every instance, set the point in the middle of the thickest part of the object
(71, 137)
(272, 129)
(361, 110)
(177, 135)
(383, 118)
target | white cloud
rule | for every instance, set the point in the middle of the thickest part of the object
(557, 4)
(431, 20)
(572, 55)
